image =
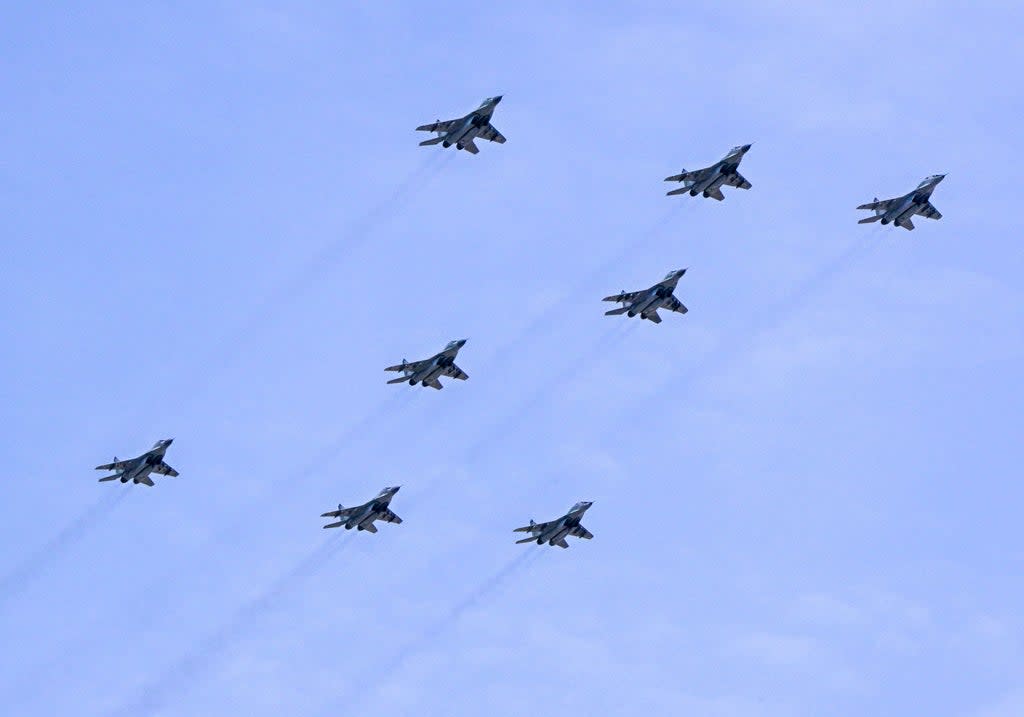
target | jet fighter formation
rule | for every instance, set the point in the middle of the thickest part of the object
(363, 516)
(462, 131)
(901, 210)
(555, 531)
(138, 469)
(646, 302)
(709, 181)
(427, 371)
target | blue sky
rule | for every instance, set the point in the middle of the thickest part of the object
(219, 228)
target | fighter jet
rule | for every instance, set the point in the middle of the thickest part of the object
(462, 131)
(427, 371)
(362, 516)
(554, 532)
(901, 210)
(137, 470)
(648, 301)
(709, 181)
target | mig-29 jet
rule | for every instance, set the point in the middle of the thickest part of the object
(137, 470)
(648, 301)
(427, 371)
(554, 532)
(709, 181)
(901, 210)
(462, 131)
(362, 516)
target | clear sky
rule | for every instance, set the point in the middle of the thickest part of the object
(218, 227)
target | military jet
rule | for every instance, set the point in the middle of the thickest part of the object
(709, 181)
(901, 210)
(462, 131)
(554, 532)
(138, 470)
(362, 516)
(648, 301)
(427, 371)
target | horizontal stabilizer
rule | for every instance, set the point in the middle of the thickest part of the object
(113, 477)
(435, 140)
(526, 540)
(400, 379)
(145, 480)
(335, 525)
(681, 190)
(616, 312)
(868, 220)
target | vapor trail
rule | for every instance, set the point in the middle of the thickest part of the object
(32, 566)
(376, 677)
(315, 270)
(189, 668)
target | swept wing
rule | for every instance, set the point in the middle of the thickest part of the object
(491, 134)
(439, 126)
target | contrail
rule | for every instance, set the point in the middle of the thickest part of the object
(558, 306)
(742, 340)
(156, 593)
(28, 569)
(188, 669)
(386, 670)
(322, 263)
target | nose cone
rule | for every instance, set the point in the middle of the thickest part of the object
(496, 99)
(746, 148)
(460, 343)
(167, 441)
(392, 489)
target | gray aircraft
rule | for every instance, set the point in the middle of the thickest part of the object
(709, 181)
(554, 532)
(462, 131)
(362, 516)
(138, 470)
(900, 210)
(427, 371)
(648, 301)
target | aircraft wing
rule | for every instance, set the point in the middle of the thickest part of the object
(165, 470)
(470, 146)
(409, 366)
(686, 176)
(879, 205)
(115, 466)
(388, 516)
(456, 372)
(438, 126)
(534, 527)
(625, 297)
(928, 211)
(737, 180)
(674, 304)
(580, 532)
(491, 134)
(340, 513)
